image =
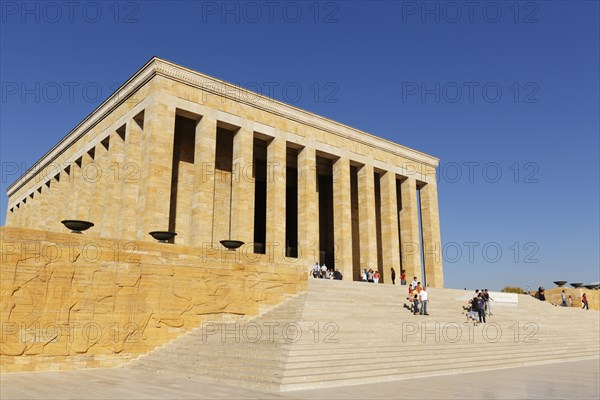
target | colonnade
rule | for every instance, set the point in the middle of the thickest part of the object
(129, 192)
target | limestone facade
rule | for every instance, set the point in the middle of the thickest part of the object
(177, 150)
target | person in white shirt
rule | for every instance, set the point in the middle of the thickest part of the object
(315, 270)
(323, 271)
(424, 300)
(414, 283)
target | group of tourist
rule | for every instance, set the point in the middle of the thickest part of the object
(479, 306)
(565, 301)
(367, 275)
(370, 276)
(569, 302)
(322, 272)
(418, 297)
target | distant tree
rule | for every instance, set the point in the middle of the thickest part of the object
(511, 289)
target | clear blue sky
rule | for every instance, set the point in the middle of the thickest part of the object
(508, 91)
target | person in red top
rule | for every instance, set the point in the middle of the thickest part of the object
(584, 301)
(403, 278)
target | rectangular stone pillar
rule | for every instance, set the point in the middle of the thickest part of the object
(389, 226)
(204, 185)
(97, 176)
(409, 230)
(342, 217)
(276, 193)
(127, 155)
(56, 187)
(242, 191)
(366, 218)
(118, 214)
(63, 198)
(19, 218)
(84, 182)
(156, 170)
(27, 211)
(74, 177)
(308, 208)
(184, 185)
(43, 207)
(432, 243)
(50, 193)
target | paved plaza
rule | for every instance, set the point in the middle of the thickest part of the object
(575, 380)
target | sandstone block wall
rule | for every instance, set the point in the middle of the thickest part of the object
(73, 301)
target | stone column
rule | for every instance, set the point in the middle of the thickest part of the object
(308, 208)
(52, 217)
(204, 185)
(63, 202)
(242, 196)
(19, 218)
(43, 207)
(49, 193)
(342, 217)
(99, 200)
(116, 216)
(185, 191)
(74, 187)
(409, 230)
(27, 211)
(156, 170)
(127, 156)
(389, 226)
(87, 182)
(34, 210)
(432, 244)
(366, 218)
(276, 193)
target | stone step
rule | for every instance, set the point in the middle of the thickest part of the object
(366, 377)
(370, 346)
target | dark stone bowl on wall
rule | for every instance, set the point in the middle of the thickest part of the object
(76, 226)
(231, 244)
(560, 283)
(163, 236)
(576, 284)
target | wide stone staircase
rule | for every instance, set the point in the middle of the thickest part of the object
(344, 333)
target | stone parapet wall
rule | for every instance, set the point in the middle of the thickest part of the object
(80, 301)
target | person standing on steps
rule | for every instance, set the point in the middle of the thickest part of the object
(414, 283)
(424, 301)
(481, 308)
(570, 301)
(393, 276)
(402, 277)
(415, 304)
(323, 271)
(315, 270)
(488, 302)
(584, 301)
(541, 293)
(564, 299)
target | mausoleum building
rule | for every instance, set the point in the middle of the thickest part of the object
(176, 150)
